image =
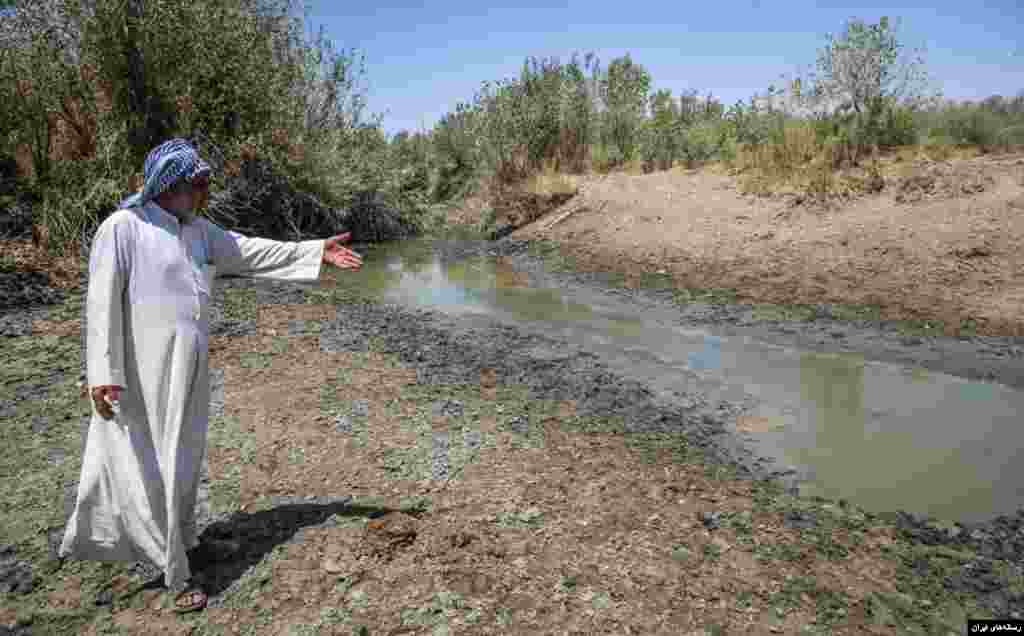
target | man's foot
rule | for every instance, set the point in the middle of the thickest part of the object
(190, 600)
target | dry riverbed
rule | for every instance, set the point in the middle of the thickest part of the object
(378, 470)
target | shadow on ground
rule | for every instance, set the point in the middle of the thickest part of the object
(230, 547)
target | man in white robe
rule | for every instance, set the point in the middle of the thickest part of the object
(147, 347)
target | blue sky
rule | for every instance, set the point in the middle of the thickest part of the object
(422, 61)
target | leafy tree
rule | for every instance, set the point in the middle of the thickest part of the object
(866, 64)
(624, 90)
(864, 84)
(578, 109)
(663, 131)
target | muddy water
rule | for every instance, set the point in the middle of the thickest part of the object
(880, 435)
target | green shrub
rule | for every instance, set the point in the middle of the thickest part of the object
(1011, 136)
(898, 128)
(239, 76)
(702, 141)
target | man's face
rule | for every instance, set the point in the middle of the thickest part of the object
(187, 200)
(199, 194)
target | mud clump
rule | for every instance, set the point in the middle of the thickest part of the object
(387, 534)
(1001, 538)
(26, 288)
(15, 575)
(941, 181)
(514, 209)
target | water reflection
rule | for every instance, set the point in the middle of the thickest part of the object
(899, 453)
(708, 358)
(884, 437)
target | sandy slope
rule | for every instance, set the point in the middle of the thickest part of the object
(942, 240)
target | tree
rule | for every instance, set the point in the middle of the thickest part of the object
(866, 67)
(864, 83)
(624, 89)
(664, 130)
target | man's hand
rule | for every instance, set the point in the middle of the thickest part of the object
(340, 256)
(99, 399)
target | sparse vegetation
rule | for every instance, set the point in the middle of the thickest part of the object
(78, 141)
(821, 136)
(280, 115)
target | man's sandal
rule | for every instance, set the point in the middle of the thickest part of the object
(190, 600)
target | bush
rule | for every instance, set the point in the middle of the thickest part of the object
(701, 142)
(456, 156)
(898, 129)
(1011, 136)
(254, 90)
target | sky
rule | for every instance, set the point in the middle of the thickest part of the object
(422, 61)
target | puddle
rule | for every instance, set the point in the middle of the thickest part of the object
(883, 436)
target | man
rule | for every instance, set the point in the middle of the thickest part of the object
(148, 310)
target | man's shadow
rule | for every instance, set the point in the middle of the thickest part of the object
(230, 547)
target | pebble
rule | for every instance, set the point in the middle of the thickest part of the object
(520, 424)
(450, 408)
(711, 520)
(15, 576)
(39, 424)
(439, 455)
(799, 519)
(56, 455)
(343, 424)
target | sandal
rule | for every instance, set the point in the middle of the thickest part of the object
(190, 600)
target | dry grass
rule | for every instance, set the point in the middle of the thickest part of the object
(549, 183)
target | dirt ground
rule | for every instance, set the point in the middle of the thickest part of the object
(379, 470)
(376, 470)
(942, 240)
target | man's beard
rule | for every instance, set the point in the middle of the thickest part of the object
(185, 216)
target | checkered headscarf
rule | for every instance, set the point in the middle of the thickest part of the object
(166, 165)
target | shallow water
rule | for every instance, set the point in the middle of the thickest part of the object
(883, 436)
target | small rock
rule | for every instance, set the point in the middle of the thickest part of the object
(343, 424)
(296, 327)
(520, 424)
(450, 408)
(360, 408)
(799, 519)
(332, 566)
(56, 455)
(472, 439)
(711, 520)
(39, 424)
(15, 576)
(104, 597)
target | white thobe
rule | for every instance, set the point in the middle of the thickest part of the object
(148, 329)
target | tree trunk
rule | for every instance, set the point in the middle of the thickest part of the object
(156, 122)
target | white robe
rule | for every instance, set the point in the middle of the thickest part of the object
(148, 329)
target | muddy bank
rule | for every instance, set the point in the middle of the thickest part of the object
(950, 256)
(990, 358)
(445, 349)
